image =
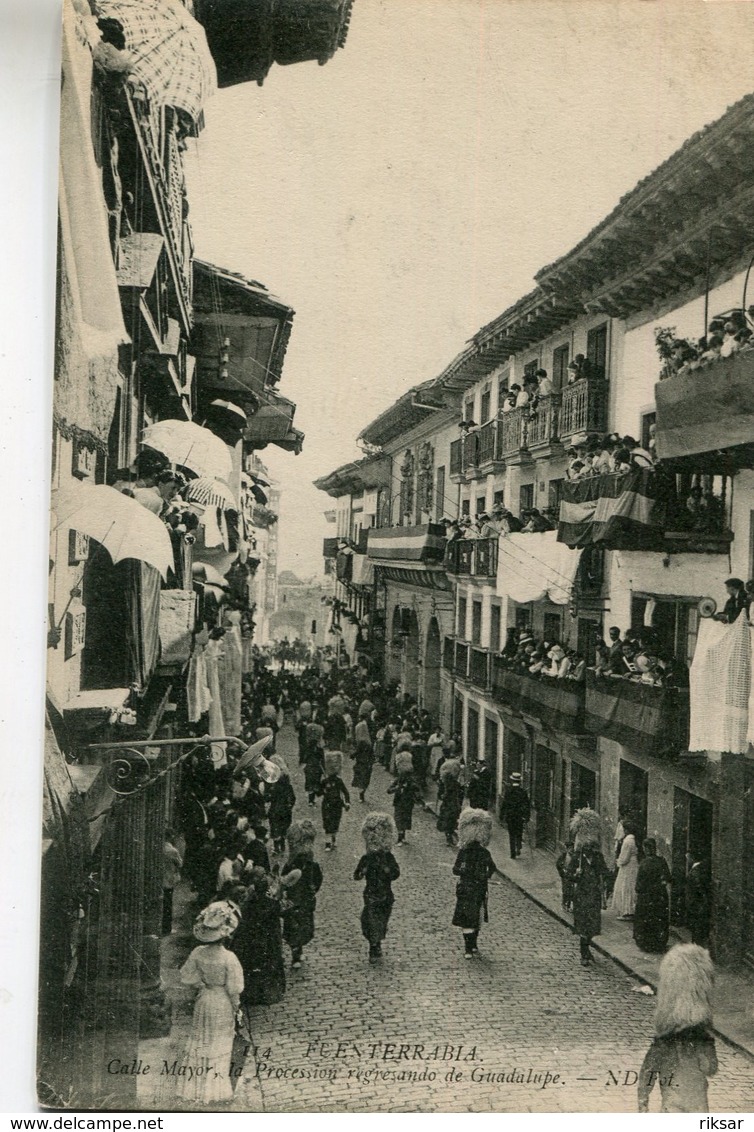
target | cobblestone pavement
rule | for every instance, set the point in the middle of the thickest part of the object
(427, 1031)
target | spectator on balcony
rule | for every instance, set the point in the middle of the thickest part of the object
(536, 522)
(487, 526)
(538, 660)
(509, 523)
(578, 666)
(522, 397)
(738, 599)
(622, 460)
(545, 388)
(640, 457)
(602, 461)
(511, 643)
(509, 403)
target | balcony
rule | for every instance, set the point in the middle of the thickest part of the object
(708, 410)
(480, 667)
(475, 558)
(477, 452)
(583, 407)
(645, 510)
(471, 452)
(650, 721)
(558, 704)
(513, 432)
(421, 544)
(461, 660)
(542, 424)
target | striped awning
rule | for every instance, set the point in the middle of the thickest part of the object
(169, 52)
(619, 512)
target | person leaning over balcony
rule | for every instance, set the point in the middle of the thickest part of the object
(509, 402)
(640, 457)
(738, 599)
(536, 522)
(545, 384)
(523, 396)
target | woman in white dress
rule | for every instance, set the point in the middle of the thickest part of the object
(624, 893)
(219, 976)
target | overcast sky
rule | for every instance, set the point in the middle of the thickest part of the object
(406, 193)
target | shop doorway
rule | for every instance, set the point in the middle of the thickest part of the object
(583, 787)
(633, 789)
(544, 797)
(692, 836)
(472, 734)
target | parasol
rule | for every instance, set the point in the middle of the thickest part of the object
(192, 446)
(211, 493)
(168, 49)
(121, 525)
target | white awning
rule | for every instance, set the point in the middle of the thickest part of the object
(531, 567)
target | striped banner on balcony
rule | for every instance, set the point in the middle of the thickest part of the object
(620, 512)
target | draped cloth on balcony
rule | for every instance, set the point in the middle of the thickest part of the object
(619, 512)
(722, 718)
(85, 241)
(531, 567)
(169, 51)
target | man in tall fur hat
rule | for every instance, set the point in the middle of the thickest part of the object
(450, 794)
(473, 867)
(298, 916)
(588, 874)
(406, 793)
(682, 1056)
(378, 868)
(335, 797)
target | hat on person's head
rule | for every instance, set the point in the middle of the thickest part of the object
(515, 778)
(527, 639)
(515, 386)
(735, 582)
(217, 921)
(629, 442)
(482, 515)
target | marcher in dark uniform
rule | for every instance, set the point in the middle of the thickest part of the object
(682, 1056)
(281, 800)
(516, 811)
(406, 794)
(304, 719)
(479, 789)
(258, 942)
(298, 915)
(363, 759)
(314, 765)
(379, 868)
(450, 796)
(473, 867)
(587, 871)
(335, 797)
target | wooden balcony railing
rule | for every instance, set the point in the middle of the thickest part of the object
(651, 721)
(487, 442)
(471, 451)
(584, 407)
(473, 557)
(513, 431)
(461, 666)
(557, 703)
(448, 653)
(479, 667)
(542, 425)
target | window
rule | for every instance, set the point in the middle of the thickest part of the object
(647, 420)
(526, 496)
(484, 408)
(523, 617)
(514, 752)
(560, 359)
(596, 350)
(476, 622)
(465, 507)
(530, 369)
(495, 628)
(490, 741)
(586, 638)
(502, 391)
(468, 410)
(554, 492)
(480, 504)
(498, 498)
(676, 623)
(439, 493)
(461, 630)
(553, 628)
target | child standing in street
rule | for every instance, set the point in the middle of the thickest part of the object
(298, 916)
(379, 868)
(335, 797)
(406, 793)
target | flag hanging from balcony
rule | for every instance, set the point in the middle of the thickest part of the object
(721, 687)
(531, 567)
(620, 512)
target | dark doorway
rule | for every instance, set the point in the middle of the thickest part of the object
(432, 667)
(472, 734)
(632, 797)
(583, 787)
(692, 834)
(544, 797)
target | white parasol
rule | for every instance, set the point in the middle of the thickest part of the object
(192, 446)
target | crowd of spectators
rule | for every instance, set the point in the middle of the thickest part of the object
(726, 335)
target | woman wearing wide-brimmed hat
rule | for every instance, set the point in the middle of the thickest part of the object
(219, 977)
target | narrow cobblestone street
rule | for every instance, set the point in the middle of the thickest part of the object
(426, 1031)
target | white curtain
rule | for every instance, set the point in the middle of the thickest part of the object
(720, 687)
(531, 567)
